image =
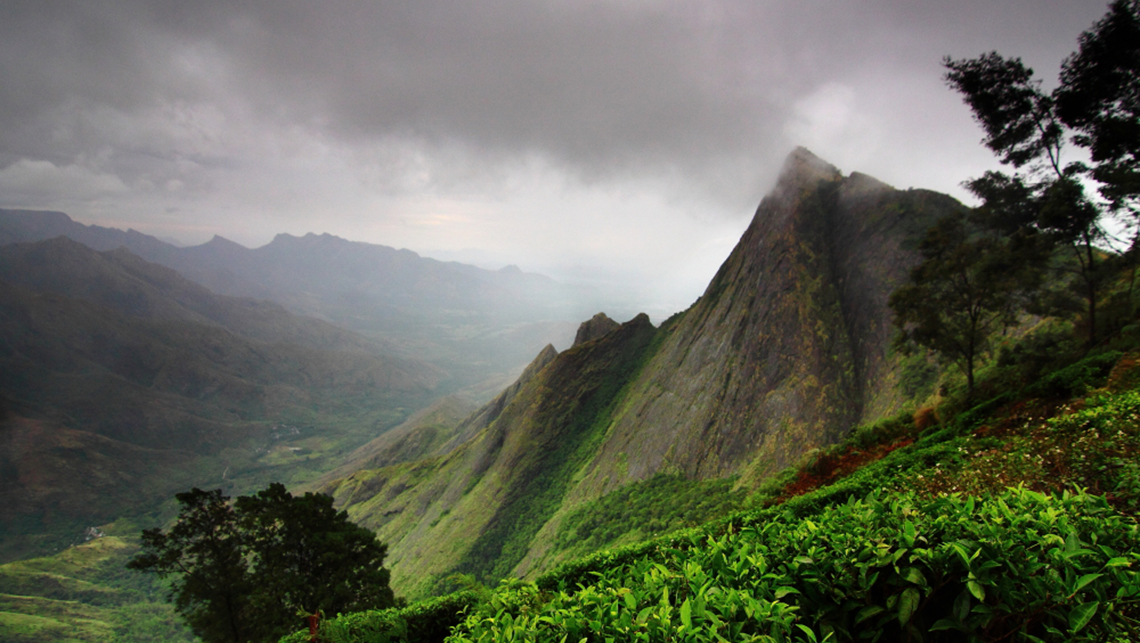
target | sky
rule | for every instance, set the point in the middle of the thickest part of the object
(623, 144)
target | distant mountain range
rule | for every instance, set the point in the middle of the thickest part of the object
(786, 351)
(474, 323)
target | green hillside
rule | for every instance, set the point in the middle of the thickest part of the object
(975, 522)
(122, 383)
(84, 594)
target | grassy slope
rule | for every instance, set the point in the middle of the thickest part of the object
(84, 594)
(1056, 432)
(434, 512)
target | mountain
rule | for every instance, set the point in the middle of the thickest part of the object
(122, 382)
(124, 282)
(474, 323)
(788, 347)
(786, 351)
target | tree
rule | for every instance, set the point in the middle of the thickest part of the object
(243, 571)
(965, 290)
(310, 557)
(1095, 107)
(1099, 98)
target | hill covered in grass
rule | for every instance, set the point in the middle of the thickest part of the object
(85, 594)
(1007, 518)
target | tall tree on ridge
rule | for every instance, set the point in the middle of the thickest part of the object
(1096, 107)
(968, 286)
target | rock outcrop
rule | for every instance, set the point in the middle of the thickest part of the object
(594, 328)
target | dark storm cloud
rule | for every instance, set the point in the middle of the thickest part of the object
(597, 86)
(608, 134)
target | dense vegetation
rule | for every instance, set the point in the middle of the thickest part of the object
(243, 571)
(85, 593)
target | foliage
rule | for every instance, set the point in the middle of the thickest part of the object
(962, 293)
(242, 571)
(885, 567)
(1075, 379)
(652, 507)
(1098, 98)
(1096, 104)
(1093, 446)
(427, 621)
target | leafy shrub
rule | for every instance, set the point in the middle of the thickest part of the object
(1019, 566)
(1076, 379)
(427, 621)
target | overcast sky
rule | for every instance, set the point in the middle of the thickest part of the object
(613, 141)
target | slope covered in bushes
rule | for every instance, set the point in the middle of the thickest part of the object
(1008, 519)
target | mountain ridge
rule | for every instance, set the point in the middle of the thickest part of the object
(476, 324)
(122, 383)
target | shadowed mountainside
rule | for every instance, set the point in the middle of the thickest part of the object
(122, 380)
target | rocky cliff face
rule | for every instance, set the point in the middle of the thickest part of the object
(594, 328)
(786, 350)
(788, 347)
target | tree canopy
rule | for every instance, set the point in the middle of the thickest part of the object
(966, 288)
(1096, 106)
(246, 571)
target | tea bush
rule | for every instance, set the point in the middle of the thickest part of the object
(1019, 566)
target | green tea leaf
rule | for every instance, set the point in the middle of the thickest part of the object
(868, 612)
(1081, 615)
(944, 624)
(1085, 580)
(976, 590)
(913, 575)
(908, 604)
(784, 591)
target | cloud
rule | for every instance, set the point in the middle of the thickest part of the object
(31, 181)
(360, 117)
(829, 118)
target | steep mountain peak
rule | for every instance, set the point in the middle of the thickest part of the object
(787, 348)
(219, 242)
(786, 351)
(801, 166)
(859, 184)
(594, 328)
